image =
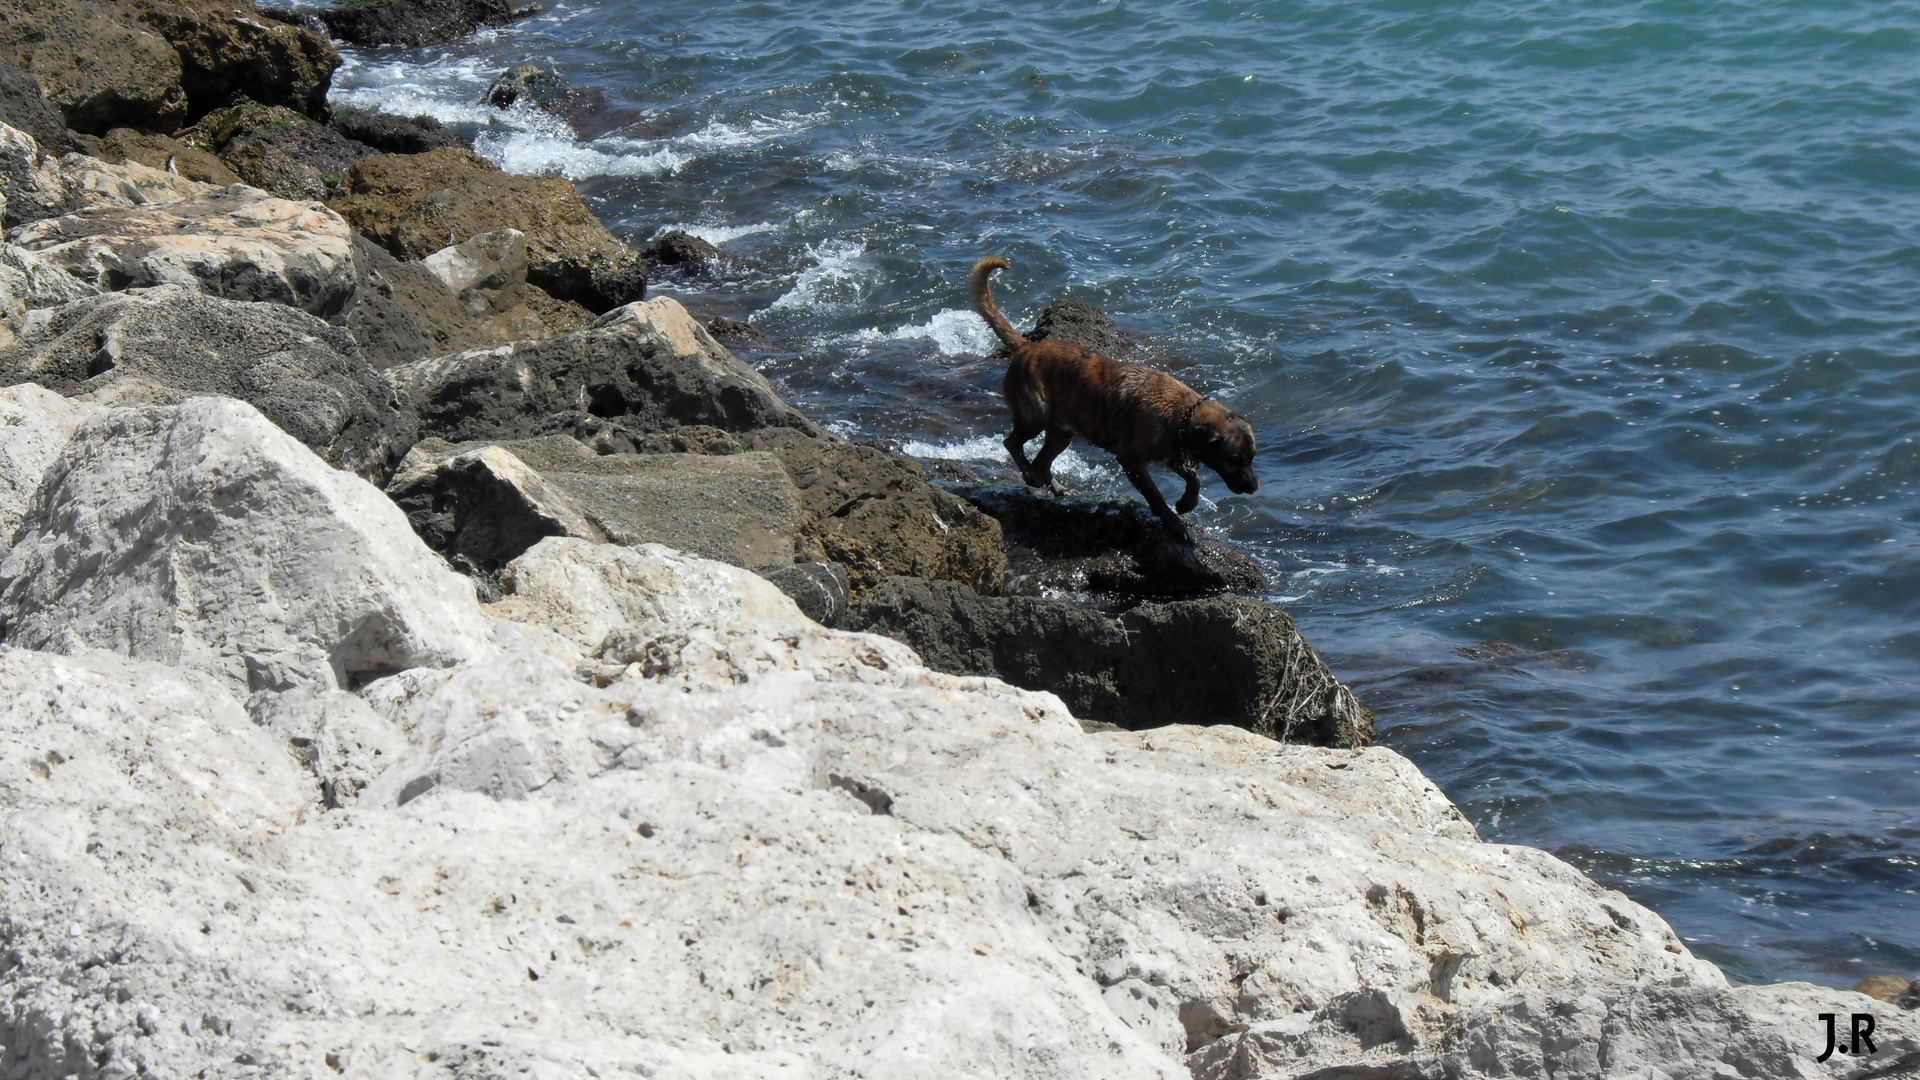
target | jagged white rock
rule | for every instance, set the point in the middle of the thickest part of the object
(35, 424)
(201, 534)
(759, 848)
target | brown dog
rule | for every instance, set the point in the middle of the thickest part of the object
(1137, 414)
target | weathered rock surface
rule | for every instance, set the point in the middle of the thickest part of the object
(94, 184)
(1116, 553)
(648, 364)
(414, 205)
(163, 153)
(31, 283)
(413, 22)
(1222, 660)
(877, 515)
(164, 344)
(819, 589)
(483, 505)
(201, 535)
(35, 425)
(762, 848)
(25, 107)
(101, 69)
(544, 89)
(397, 134)
(236, 243)
(227, 49)
(279, 150)
(31, 186)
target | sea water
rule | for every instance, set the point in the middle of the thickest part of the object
(1582, 341)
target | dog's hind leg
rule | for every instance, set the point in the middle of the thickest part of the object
(1057, 440)
(1175, 527)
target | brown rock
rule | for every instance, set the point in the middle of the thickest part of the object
(414, 205)
(25, 108)
(413, 22)
(100, 68)
(1882, 987)
(226, 47)
(878, 515)
(163, 153)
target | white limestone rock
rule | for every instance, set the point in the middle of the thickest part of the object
(35, 425)
(29, 283)
(237, 243)
(30, 180)
(202, 535)
(764, 849)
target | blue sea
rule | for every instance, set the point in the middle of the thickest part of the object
(1582, 341)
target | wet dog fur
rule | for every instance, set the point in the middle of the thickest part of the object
(1137, 414)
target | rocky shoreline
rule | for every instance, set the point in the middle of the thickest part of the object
(424, 652)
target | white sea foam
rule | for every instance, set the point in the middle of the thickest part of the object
(833, 279)
(953, 331)
(716, 234)
(528, 153)
(1069, 466)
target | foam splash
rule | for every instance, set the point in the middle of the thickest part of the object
(716, 234)
(528, 153)
(1069, 466)
(953, 331)
(832, 281)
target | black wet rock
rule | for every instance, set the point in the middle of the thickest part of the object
(391, 134)
(545, 89)
(739, 332)
(412, 22)
(819, 589)
(677, 248)
(1114, 552)
(1221, 660)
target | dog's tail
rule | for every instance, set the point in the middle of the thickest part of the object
(978, 284)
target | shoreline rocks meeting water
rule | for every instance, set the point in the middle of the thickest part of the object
(421, 652)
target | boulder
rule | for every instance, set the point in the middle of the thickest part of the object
(819, 589)
(30, 181)
(483, 506)
(30, 283)
(35, 425)
(1908, 998)
(336, 735)
(279, 150)
(649, 364)
(541, 88)
(236, 243)
(400, 312)
(23, 106)
(1222, 660)
(164, 154)
(92, 184)
(677, 248)
(1116, 553)
(397, 134)
(101, 69)
(202, 536)
(416, 204)
(164, 344)
(412, 22)
(877, 514)
(227, 49)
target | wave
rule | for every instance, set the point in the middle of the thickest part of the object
(834, 275)
(953, 331)
(988, 448)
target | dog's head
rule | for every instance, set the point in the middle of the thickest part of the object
(1223, 442)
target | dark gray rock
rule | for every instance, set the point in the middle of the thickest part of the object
(397, 134)
(412, 22)
(677, 248)
(162, 345)
(649, 365)
(740, 333)
(481, 507)
(23, 106)
(401, 312)
(1222, 660)
(1908, 998)
(819, 588)
(1114, 552)
(544, 89)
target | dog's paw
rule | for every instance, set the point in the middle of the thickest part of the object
(1060, 489)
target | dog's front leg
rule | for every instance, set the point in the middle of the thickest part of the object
(1189, 498)
(1175, 527)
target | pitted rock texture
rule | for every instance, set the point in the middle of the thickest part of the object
(163, 153)
(648, 364)
(722, 842)
(25, 107)
(415, 204)
(31, 283)
(101, 69)
(162, 345)
(412, 22)
(237, 243)
(227, 48)
(1222, 660)
(202, 535)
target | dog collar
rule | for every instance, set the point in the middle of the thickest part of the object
(1186, 422)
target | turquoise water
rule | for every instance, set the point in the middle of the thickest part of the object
(1582, 342)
